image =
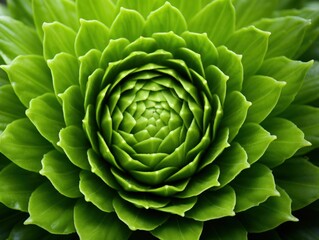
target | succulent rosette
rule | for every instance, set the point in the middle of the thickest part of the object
(156, 119)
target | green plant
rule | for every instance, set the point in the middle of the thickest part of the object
(175, 119)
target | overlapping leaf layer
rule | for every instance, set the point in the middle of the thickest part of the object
(156, 119)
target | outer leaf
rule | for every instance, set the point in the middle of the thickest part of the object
(54, 10)
(214, 205)
(91, 35)
(217, 19)
(64, 38)
(96, 191)
(224, 229)
(231, 162)
(62, 174)
(230, 64)
(188, 8)
(284, 43)
(269, 214)
(17, 39)
(16, 186)
(65, 71)
(235, 112)
(289, 139)
(50, 210)
(251, 193)
(300, 179)
(165, 19)
(137, 218)
(255, 140)
(29, 76)
(205, 179)
(92, 224)
(46, 114)
(248, 11)
(288, 71)
(263, 99)
(21, 10)
(252, 43)
(310, 87)
(307, 121)
(179, 228)
(100, 10)
(73, 141)
(10, 106)
(128, 24)
(23, 145)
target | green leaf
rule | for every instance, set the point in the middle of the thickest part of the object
(50, 210)
(88, 63)
(310, 86)
(16, 186)
(306, 118)
(214, 205)
(253, 186)
(23, 145)
(45, 113)
(100, 10)
(73, 141)
(203, 180)
(235, 112)
(21, 10)
(63, 175)
(252, 44)
(217, 19)
(255, 140)
(179, 206)
(128, 24)
(263, 99)
(225, 229)
(300, 179)
(54, 10)
(91, 35)
(231, 162)
(249, 11)
(165, 19)
(65, 71)
(91, 223)
(289, 71)
(188, 8)
(64, 38)
(230, 64)
(72, 105)
(201, 44)
(269, 214)
(289, 140)
(286, 34)
(17, 39)
(179, 228)
(138, 218)
(96, 191)
(10, 106)
(29, 77)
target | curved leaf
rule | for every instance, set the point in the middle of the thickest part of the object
(251, 193)
(214, 205)
(50, 210)
(23, 145)
(217, 19)
(29, 76)
(16, 186)
(269, 214)
(92, 224)
(300, 179)
(165, 19)
(179, 228)
(63, 175)
(137, 218)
